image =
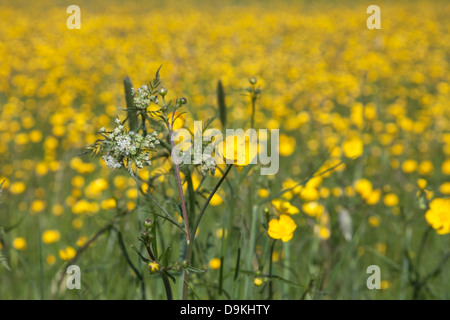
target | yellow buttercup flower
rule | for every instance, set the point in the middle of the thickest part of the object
(353, 147)
(51, 236)
(19, 243)
(238, 149)
(17, 187)
(214, 263)
(438, 216)
(313, 209)
(287, 145)
(391, 200)
(282, 228)
(285, 207)
(67, 253)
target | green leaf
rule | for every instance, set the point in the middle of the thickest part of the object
(132, 114)
(195, 270)
(125, 254)
(140, 254)
(221, 103)
(4, 262)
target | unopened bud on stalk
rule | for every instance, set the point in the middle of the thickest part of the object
(148, 223)
(183, 100)
(162, 91)
(253, 80)
(184, 264)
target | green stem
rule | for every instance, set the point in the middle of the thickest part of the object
(194, 230)
(251, 248)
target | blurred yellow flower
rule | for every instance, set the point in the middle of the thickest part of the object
(263, 193)
(67, 253)
(313, 209)
(445, 188)
(19, 243)
(438, 216)
(445, 168)
(51, 259)
(374, 221)
(283, 206)
(216, 200)
(353, 147)
(282, 228)
(214, 263)
(108, 204)
(17, 187)
(238, 149)
(409, 166)
(390, 199)
(286, 145)
(422, 183)
(38, 206)
(51, 236)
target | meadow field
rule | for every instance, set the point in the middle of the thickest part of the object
(364, 150)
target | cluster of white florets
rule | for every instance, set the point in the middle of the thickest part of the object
(142, 97)
(128, 146)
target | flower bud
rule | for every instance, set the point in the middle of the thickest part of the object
(183, 100)
(162, 91)
(252, 80)
(184, 264)
(148, 223)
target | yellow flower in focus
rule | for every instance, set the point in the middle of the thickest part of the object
(353, 147)
(19, 243)
(214, 263)
(391, 200)
(282, 228)
(51, 236)
(438, 216)
(153, 266)
(67, 253)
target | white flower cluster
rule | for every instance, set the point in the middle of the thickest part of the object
(208, 164)
(129, 146)
(142, 97)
